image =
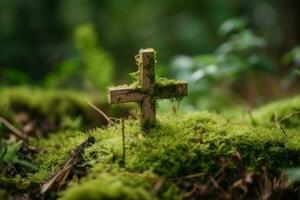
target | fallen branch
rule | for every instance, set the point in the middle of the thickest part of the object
(19, 134)
(109, 121)
(61, 176)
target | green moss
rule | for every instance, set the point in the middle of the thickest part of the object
(116, 183)
(179, 145)
(64, 108)
(48, 102)
(110, 186)
(160, 81)
(287, 112)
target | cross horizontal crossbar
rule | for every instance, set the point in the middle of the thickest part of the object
(127, 94)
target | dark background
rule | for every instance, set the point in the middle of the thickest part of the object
(36, 36)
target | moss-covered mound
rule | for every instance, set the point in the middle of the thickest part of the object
(53, 110)
(285, 113)
(185, 156)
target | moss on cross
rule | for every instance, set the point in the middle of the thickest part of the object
(147, 90)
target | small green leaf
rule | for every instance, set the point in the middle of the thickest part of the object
(232, 25)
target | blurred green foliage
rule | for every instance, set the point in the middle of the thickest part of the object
(98, 64)
(13, 76)
(10, 154)
(212, 76)
(292, 60)
(90, 68)
(294, 174)
(90, 44)
(36, 36)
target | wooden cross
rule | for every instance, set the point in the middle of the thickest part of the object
(148, 90)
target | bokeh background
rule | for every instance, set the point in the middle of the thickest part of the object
(231, 52)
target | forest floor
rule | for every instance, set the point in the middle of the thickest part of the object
(68, 150)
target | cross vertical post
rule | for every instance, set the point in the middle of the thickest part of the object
(147, 81)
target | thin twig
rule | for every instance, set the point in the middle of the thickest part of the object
(13, 129)
(289, 115)
(188, 195)
(109, 121)
(217, 174)
(189, 176)
(114, 118)
(249, 112)
(158, 186)
(123, 134)
(277, 122)
(123, 142)
(215, 183)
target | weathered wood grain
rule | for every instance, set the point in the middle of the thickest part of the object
(123, 95)
(147, 81)
(170, 91)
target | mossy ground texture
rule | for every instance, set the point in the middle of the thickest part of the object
(181, 158)
(54, 110)
(286, 112)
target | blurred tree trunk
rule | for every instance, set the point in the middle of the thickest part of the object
(290, 23)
